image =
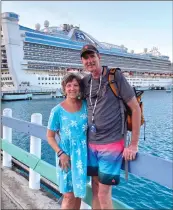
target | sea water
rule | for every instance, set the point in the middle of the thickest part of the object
(137, 192)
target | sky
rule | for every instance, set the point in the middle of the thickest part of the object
(134, 24)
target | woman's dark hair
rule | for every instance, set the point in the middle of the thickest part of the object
(69, 78)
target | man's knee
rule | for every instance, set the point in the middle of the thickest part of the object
(104, 192)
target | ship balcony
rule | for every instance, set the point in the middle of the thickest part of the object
(6, 79)
(3, 52)
(3, 47)
(4, 63)
(3, 58)
(4, 67)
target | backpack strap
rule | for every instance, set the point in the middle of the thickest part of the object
(114, 87)
(112, 81)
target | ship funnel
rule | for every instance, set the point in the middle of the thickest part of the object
(37, 26)
(46, 23)
(145, 50)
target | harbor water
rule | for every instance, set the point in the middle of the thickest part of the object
(138, 193)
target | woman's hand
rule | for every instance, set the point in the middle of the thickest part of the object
(64, 162)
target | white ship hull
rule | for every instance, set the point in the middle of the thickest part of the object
(14, 97)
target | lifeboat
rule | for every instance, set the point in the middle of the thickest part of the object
(126, 74)
(157, 75)
(146, 74)
(152, 74)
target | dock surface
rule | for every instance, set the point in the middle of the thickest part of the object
(16, 193)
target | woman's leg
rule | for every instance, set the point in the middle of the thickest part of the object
(69, 201)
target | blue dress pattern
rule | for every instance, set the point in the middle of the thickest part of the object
(72, 129)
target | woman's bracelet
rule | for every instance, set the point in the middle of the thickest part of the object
(60, 153)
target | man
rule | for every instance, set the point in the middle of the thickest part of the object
(105, 137)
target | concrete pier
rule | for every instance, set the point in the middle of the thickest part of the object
(17, 195)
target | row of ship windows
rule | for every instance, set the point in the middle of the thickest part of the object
(133, 62)
(129, 79)
(49, 51)
(32, 49)
(119, 65)
(135, 65)
(48, 78)
(42, 67)
(109, 61)
(47, 58)
(54, 62)
(39, 46)
(49, 83)
(135, 83)
(54, 49)
(6, 78)
(47, 65)
(51, 68)
(55, 66)
(59, 83)
(27, 50)
(52, 57)
(6, 83)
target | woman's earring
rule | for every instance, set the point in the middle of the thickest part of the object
(79, 96)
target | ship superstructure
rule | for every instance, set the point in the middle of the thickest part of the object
(38, 58)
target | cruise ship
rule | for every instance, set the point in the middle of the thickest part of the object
(37, 59)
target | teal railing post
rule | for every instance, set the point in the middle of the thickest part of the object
(35, 149)
(7, 135)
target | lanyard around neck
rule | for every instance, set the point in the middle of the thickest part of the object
(95, 104)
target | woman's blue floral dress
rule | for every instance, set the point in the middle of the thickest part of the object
(72, 129)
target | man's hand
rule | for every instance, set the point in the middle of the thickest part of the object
(129, 153)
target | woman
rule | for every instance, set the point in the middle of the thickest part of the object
(69, 119)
